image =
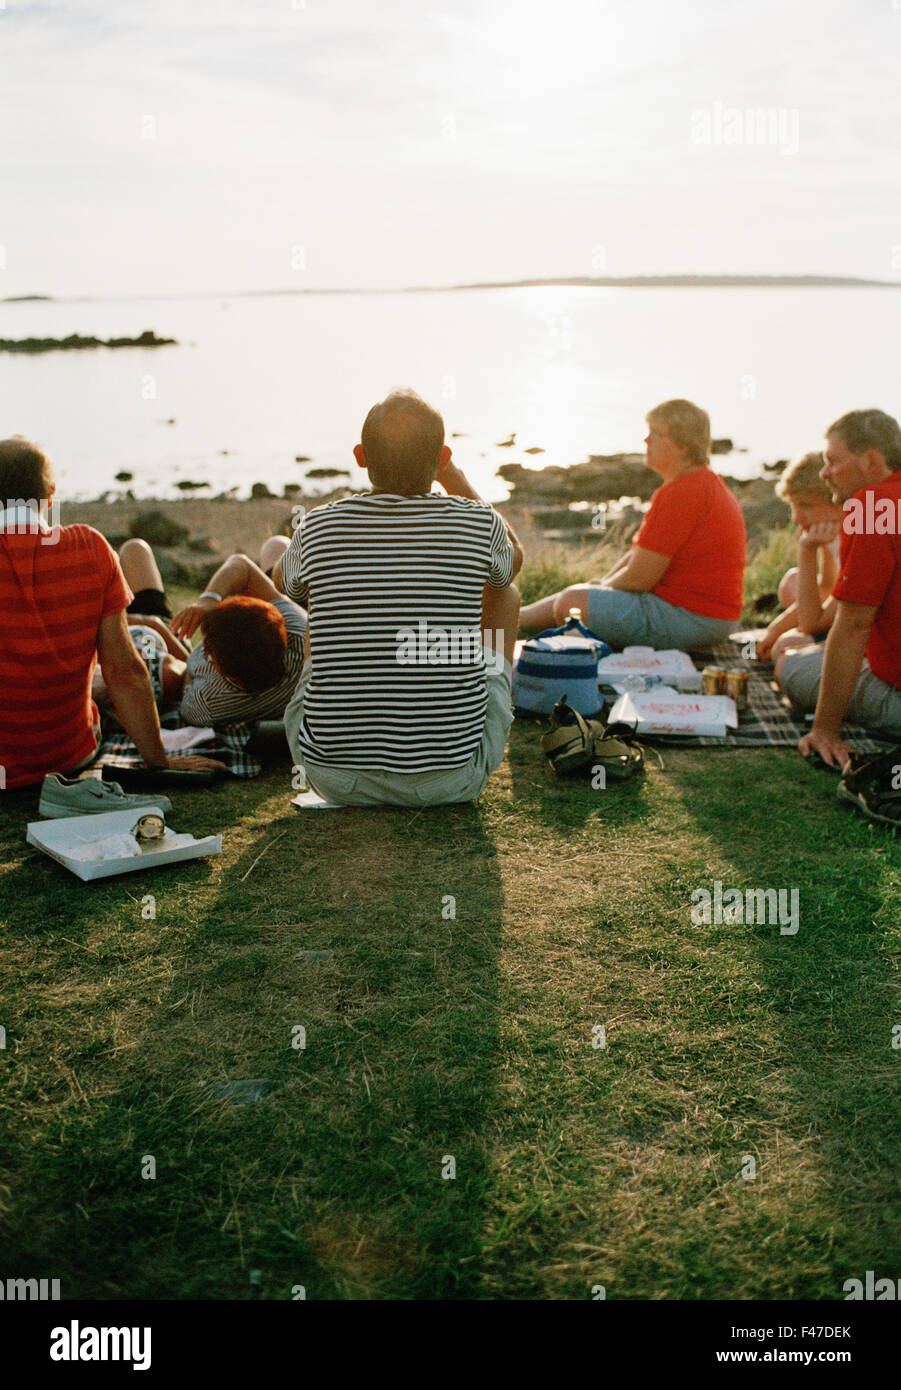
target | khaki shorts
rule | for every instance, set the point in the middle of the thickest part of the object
(364, 786)
(875, 704)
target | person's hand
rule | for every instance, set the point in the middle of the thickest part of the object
(449, 476)
(820, 533)
(766, 643)
(832, 749)
(187, 620)
(193, 762)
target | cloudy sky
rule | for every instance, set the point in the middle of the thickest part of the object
(212, 145)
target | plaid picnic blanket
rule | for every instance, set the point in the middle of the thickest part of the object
(229, 745)
(768, 721)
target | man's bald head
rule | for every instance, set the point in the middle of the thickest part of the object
(402, 441)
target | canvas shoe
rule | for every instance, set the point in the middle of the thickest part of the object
(89, 796)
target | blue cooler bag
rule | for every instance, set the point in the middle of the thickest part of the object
(559, 663)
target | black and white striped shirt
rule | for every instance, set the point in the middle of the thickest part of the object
(210, 699)
(379, 568)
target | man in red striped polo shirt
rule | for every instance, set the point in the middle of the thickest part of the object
(62, 603)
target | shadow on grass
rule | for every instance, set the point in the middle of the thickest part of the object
(566, 803)
(354, 969)
(833, 985)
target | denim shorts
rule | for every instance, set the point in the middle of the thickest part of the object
(624, 619)
(367, 786)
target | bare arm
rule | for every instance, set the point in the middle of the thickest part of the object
(783, 623)
(129, 688)
(815, 610)
(845, 649)
(456, 484)
(643, 569)
(617, 568)
(238, 575)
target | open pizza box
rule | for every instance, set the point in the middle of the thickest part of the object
(71, 841)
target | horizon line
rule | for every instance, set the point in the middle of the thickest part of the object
(673, 281)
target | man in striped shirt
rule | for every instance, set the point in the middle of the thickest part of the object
(405, 696)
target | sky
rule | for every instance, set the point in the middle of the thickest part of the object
(208, 147)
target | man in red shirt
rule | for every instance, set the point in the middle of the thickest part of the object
(62, 604)
(681, 584)
(858, 674)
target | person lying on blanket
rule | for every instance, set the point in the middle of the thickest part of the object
(248, 663)
(806, 589)
(857, 672)
(389, 709)
(681, 583)
(63, 601)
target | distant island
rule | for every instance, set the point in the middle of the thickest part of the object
(604, 282)
(147, 339)
(722, 282)
(621, 282)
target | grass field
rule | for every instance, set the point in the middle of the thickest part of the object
(452, 1027)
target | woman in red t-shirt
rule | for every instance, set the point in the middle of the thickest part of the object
(681, 583)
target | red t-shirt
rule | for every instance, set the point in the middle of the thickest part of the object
(870, 574)
(698, 523)
(52, 598)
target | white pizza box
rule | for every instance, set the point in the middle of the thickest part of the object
(663, 710)
(672, 666)
(59, 838)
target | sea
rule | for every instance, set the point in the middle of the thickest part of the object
(264, 388)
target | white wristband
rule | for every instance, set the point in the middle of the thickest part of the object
(208, 593)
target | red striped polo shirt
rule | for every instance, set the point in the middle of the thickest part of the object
(54, 589)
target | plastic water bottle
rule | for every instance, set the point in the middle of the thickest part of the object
(636, 683)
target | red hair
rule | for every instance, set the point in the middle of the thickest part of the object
(245, 638)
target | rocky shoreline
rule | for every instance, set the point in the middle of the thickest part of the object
(192, 535)
(561, 502)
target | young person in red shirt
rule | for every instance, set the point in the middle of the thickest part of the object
(857, 675)
(681, 584)
(62, 604)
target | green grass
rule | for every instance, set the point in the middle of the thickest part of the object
(558, 564)
(430, 1036)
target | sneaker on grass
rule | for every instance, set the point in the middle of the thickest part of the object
(89, 796)
(873, 785)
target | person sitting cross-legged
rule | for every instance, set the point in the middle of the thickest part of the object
(681, 584)
(405, 698)
(856, 673)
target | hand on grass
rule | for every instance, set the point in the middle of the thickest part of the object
(832, 749)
